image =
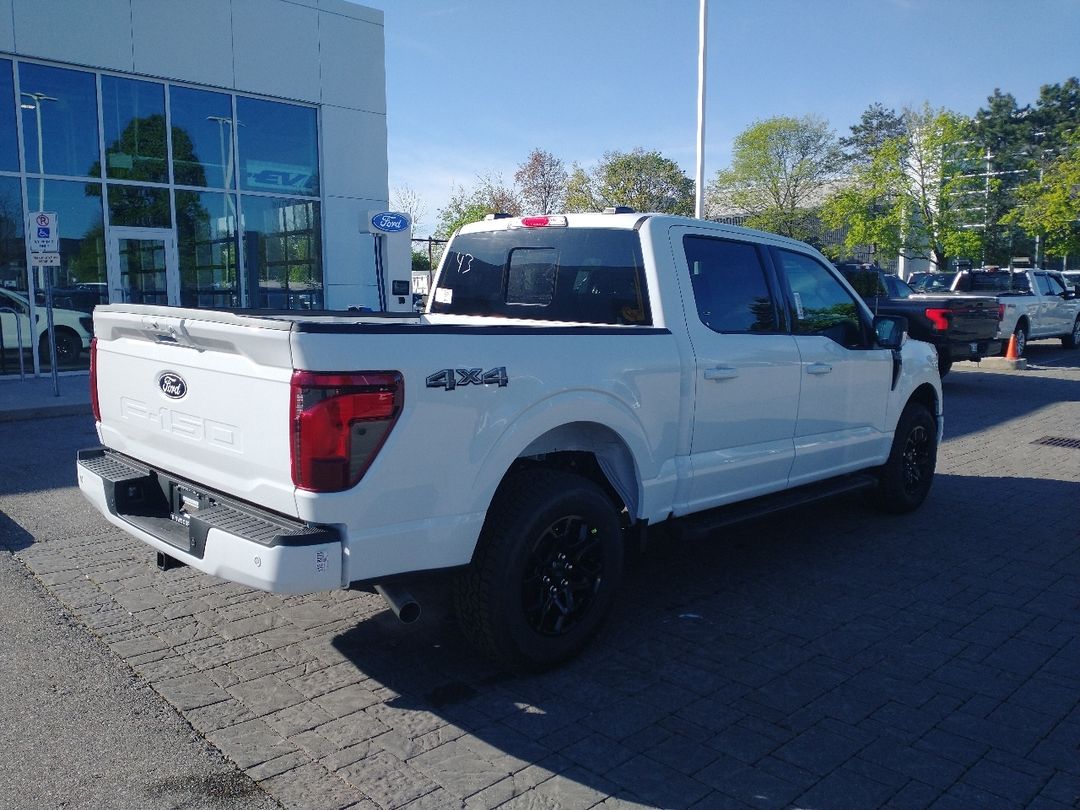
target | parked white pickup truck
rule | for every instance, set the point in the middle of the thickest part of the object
(572, 380)
(1034, 304)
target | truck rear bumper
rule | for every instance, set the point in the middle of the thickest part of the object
(208, 531)
(974, 350)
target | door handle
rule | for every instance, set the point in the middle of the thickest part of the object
(721, 373)
(818, 368)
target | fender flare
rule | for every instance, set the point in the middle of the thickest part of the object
(575, 419)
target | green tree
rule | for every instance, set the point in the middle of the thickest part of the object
(914, 194)
(780, 172)
(1051, 206)
(1055, 117)
(542, 182)
(1005, 136)
(643, 180)
(490, 196)
(876, 125)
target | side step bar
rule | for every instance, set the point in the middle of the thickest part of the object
(707, 522)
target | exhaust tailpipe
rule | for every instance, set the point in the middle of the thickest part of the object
(401, 602)
(167, 563)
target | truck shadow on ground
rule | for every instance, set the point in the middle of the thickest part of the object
(13, 537)
(818, 655)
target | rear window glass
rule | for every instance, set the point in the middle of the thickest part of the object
(994, 282)
(557, 274)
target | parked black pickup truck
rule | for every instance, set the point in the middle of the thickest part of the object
(962, 327)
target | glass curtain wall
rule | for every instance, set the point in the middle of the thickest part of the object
(278, 150)
(235, 178)
(59, 117)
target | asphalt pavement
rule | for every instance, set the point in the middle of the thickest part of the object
(826, 658)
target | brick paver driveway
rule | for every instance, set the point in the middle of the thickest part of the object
(827, 658)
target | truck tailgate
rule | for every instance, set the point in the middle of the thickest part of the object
(971, 318)
(202, 392)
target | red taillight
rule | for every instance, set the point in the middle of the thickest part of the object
(1001, 312)
(939, 318)
(95, 406)
(339, 422)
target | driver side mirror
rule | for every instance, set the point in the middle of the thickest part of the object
(890, 331)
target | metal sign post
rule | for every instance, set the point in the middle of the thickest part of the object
(45, 253)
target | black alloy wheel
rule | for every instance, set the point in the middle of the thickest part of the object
(918, 459)
(564, 573)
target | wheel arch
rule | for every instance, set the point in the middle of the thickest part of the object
(597, 437)
(591, 450)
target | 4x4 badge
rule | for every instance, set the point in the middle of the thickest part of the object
(172, 384)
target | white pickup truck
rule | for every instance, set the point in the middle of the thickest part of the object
(1034, 304)
(572, 380)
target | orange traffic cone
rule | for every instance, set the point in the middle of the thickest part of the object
(1010, 353)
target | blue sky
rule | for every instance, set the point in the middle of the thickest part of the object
(474, 85)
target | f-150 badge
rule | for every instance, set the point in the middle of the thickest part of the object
(451, 378)
(172, 385)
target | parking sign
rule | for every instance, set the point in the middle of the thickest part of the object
(44, 232)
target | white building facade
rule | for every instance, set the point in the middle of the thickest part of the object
(206, 153)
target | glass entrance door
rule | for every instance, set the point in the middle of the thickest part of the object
(143, 267)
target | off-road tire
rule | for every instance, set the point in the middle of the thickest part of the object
(68, 346)
(505, 607)
(904, 480)
(1072, 340)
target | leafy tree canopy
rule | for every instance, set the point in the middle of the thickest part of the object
(781, 169)
(876, 125)
(912, 196)
(1051, 207)
(643, 180)
(490, 196)
(542, 180)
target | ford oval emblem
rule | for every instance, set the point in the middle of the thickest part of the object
(172, 384)
(390, 222)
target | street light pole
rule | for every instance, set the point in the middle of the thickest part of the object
(37, 98)
(36, 107)
(699, 200)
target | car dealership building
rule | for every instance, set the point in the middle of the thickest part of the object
(205, 153)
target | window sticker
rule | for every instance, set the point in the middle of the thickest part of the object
(799, 313)
(444, 295)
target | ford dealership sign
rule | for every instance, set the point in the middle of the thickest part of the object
(390, 222)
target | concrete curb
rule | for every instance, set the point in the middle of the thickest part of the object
(1004, 363)
(45, 412)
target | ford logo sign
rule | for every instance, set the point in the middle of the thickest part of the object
(172, 384)
(390, 222)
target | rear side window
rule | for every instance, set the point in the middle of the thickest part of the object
(730, 287)
(558, 274)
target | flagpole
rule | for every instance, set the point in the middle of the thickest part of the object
(699, 203)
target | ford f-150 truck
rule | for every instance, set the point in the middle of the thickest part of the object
(1034, 303)
(961, 327)
(572, 380)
